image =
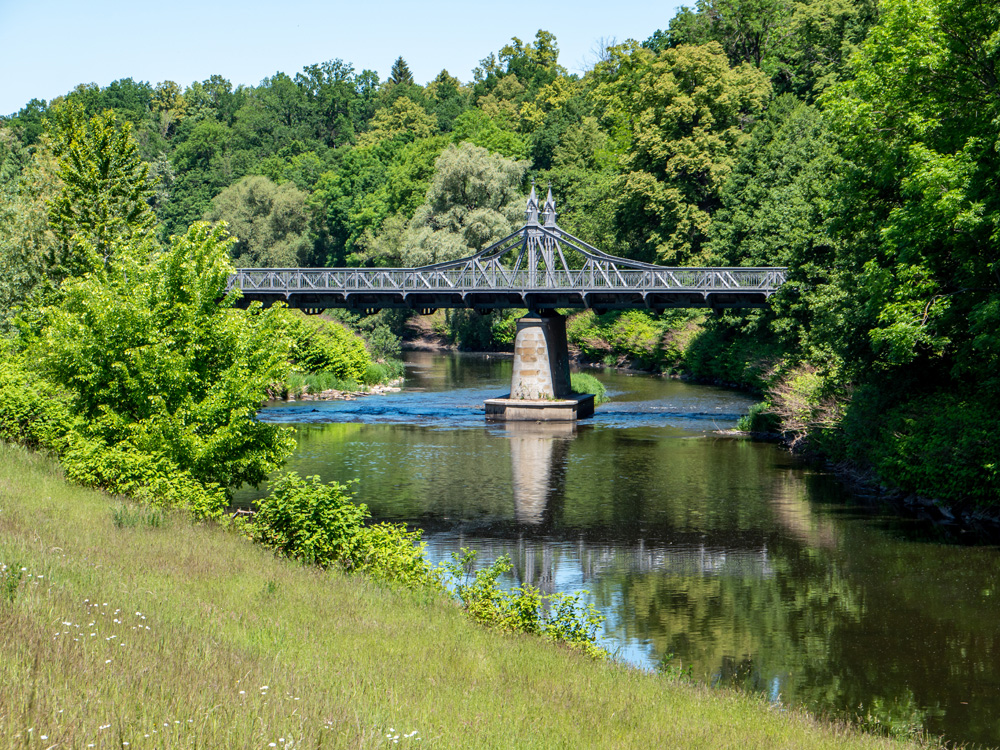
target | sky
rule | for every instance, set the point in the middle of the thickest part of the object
(50, 46)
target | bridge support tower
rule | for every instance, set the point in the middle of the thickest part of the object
(540, 388)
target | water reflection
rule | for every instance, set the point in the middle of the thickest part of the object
(749, 567)
(538, 452)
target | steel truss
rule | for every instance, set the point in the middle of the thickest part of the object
(539, 266)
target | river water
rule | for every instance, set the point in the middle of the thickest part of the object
(742, 563)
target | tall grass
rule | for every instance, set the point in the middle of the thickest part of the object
(582, 382)
(170, 635)
(376, 373)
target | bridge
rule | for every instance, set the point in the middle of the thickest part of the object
(540, 268)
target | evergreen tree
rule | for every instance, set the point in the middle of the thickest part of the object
(401, 73)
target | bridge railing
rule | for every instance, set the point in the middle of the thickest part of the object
(493, 277)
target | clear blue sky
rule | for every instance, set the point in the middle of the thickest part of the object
(50, 46)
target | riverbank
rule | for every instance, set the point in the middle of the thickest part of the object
(140, 627)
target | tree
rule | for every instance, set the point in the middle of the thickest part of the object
(104, 199)
(921, 203)
(403, 119)
(684, 115)
(474, 199)
(400, 73)
(27, 183)
(269, 222)
(447, 99)
(162, 372)
(776, 211)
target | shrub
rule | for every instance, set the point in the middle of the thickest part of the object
(383, 344)
(942, 445)
(317, 523)
(152, 478)
(308, 520)
(34, 412)
(158, 364)
(637, 337)
(318, 345)
(758, 418)
(582, 382)
(524, 609)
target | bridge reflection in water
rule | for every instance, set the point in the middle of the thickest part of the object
(539, 452)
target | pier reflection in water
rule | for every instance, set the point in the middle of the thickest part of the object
(746, 565)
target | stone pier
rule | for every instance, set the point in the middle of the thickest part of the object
(540, 389)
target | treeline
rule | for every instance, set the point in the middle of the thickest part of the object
(854, 142)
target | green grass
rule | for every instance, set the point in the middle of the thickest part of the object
(169, 634)
(583, 382)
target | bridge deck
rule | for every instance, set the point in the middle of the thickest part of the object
(539, 266)
(656, 288)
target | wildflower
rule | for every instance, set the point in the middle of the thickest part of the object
(44, 737)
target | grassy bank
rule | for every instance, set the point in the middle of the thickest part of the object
(140, 628)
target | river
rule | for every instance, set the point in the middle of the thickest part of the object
(742, 563)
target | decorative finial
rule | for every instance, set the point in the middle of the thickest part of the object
(531, 212)
(549, 211)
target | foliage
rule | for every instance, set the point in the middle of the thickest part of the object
(33, 411)
(160, 368)
(103, 202)
(317, 523)
(758, 418)
(269, 222)
(27, 182)
(582, 382)
(944, 445)
(680, 117)
(635, 338)
(474, 199)
(308, 520)
(318, 345)
(473, 331)
(562, 618)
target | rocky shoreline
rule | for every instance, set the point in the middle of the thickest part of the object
(334, 395)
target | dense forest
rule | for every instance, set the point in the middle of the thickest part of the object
(854, 141)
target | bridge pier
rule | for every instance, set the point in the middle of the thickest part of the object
(540, 389)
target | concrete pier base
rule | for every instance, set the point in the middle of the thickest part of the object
(540, 389)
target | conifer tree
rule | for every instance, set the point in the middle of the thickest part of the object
(401, 72)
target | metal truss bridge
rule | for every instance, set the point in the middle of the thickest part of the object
(538, 267)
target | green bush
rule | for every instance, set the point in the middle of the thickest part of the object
(940, 445)
(758, 418)
(123, 469)
(308, 520)
(317, 523)
(383, 372)
(636, 337)
(318, 345)
(383, 344)
(472, 331)
(721, 352)
(388, 552)
(562, 618)
(157, 363)
(33, 411)
(582, 382)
